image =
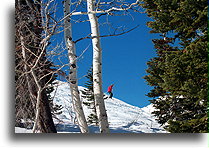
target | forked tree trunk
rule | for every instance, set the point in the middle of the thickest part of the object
(97, 69)
(73, 71)
(43, 118)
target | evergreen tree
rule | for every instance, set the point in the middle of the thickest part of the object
(88, 96)
(179, 73)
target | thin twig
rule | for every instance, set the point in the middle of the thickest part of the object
(91, 37)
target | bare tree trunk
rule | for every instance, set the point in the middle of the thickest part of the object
(35, 68)
(97, 69)
(73, 71)
(38, 101)
(45, 118)
(30, 89)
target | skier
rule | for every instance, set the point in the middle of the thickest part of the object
(109, 90)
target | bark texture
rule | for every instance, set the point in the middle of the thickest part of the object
(30, 88)
(73, 71)
(97, 69)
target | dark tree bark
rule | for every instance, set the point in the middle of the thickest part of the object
(29, 27)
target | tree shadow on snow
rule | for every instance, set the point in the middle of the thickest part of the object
(66, 128)
(71, 128)
(133, 123)
(121, 130)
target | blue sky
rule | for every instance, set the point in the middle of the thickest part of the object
(124, 57)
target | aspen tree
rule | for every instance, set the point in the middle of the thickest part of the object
(73, 70)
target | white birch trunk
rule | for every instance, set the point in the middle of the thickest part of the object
(97, 69)
(73, 71)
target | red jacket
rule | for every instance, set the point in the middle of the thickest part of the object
(110, 88)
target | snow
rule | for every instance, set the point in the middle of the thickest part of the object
(22, 130)
(149, 108)
(122, 117)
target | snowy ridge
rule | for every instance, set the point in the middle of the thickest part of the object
(122, 117)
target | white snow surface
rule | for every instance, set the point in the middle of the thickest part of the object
(122, 117)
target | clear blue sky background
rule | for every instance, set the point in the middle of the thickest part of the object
(124, 57)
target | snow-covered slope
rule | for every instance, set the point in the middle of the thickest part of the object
(122, 117)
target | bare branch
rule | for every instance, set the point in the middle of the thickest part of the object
(91, 37)
(108, 10)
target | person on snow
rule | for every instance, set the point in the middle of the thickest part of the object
(109, 90)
